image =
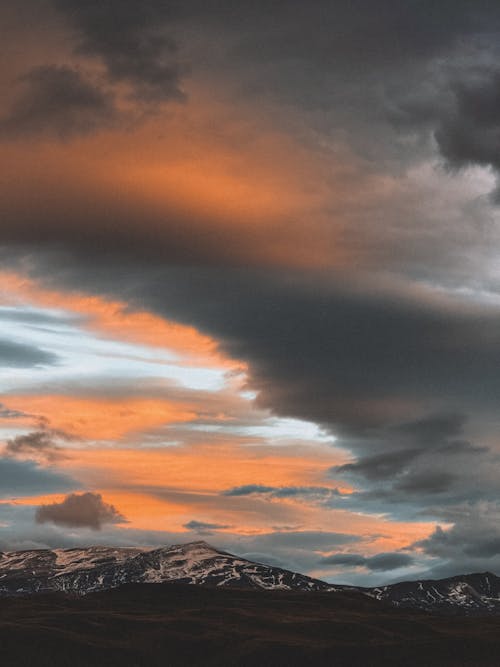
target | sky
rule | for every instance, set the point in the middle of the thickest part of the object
(250, 281)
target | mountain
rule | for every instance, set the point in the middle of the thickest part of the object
(469, 593)
(94, 569)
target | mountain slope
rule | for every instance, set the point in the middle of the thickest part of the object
(94, 569)
(83, 571)
(469, 593)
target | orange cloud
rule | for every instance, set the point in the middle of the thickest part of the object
(208, 468)
(208, 180)
(104, 418)
(118, 320)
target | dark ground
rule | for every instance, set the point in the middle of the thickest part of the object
(172, 625)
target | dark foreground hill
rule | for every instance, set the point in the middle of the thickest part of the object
(148, 625)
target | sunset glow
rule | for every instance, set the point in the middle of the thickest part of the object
(249, 280)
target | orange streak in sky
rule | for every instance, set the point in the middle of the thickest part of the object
(202, 468)
(119, 321)
(103, 418)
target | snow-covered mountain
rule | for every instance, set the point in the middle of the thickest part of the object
(469, 593)
(85, 571)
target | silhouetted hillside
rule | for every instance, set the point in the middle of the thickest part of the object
(148, 625)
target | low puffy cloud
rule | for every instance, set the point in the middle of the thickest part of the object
(85, 510)
(382, 562)
(57, 101)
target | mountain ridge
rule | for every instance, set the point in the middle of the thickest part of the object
(82, 571)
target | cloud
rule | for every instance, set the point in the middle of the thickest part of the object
(57, 101)
(203, 527)
(469, 543)
(85, 510)
(426, 482)
(27, 478)
(470, 133)
(311, 492)
(305, 539)
(132, 40)
(420, 464)
(460, 107)
(7, 413)
(20, 355)
(248, 489)
(382, 562)
(37, 444)
(296, 550)
(378, 466)
(390, 355)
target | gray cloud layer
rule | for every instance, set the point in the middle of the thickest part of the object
(131, 39)
(380, 562)
(57, 101)
(27, 478)
(20, 355)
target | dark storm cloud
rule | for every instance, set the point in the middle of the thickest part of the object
(432, 430)
(57, 101)
(408, 483)
(20, 355)
(38, 444)
(471, 544)
(461, 109)
(426, 482)
(27, 478)
(85, 510)
(470, 132)
(382, 562)
(430, 463)
(379, 466)
(131, 40)
(347, 359)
